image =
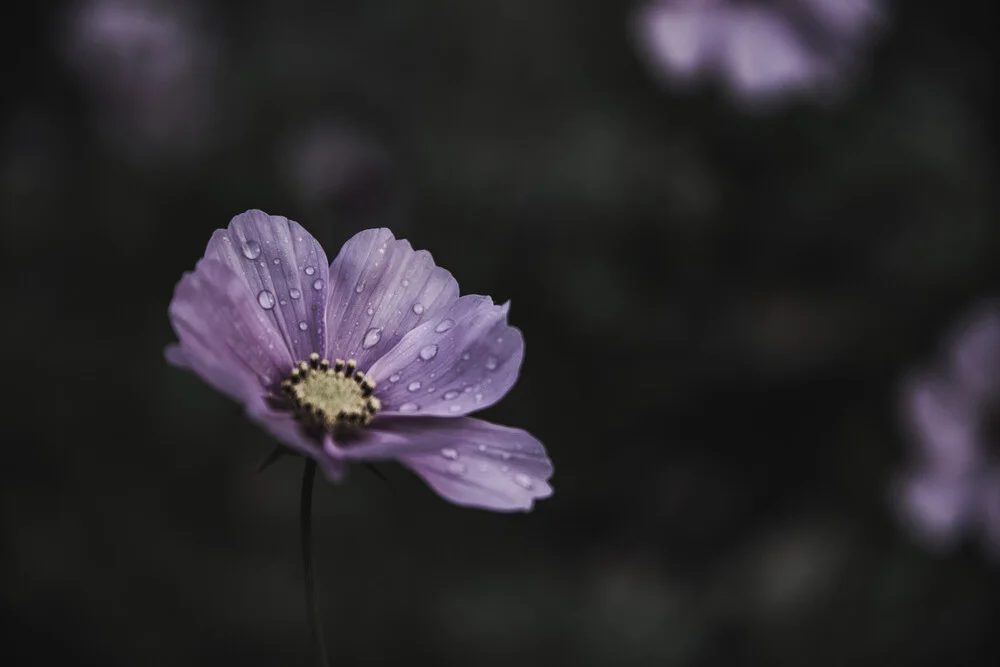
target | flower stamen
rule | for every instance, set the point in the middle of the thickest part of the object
(330, 397)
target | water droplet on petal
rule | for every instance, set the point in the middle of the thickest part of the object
(418, 308)
(318, 285)
(294, 293)
(414, 386)
(505, 456)
(455, 407)
(431, 390)
(449, 453)
(283, 302)
(370, 311)
(428, 352)
(310, 270)
(479, 398)
(491, 363)
(523, 480)
(394, 377)
(456, 468)
(371, 338)
(449, 395)
(483, 448)
(444, 325)
(265, 299)
(251, 249)
(466, 356)
(360, 288)
(409, 407)
(276, 261)
(499, 339)
(405, 283)
(303, 325)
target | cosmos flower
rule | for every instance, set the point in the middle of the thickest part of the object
(951, 489)
(373, 357)
(763, 49)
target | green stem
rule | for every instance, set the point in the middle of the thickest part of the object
(312, 602)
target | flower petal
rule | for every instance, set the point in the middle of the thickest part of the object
(937, 507)
(224, 336)
(382, 289)
(763, 56)
(283, 426)
(467, 461)
(285, 272)
(681, 40)
(944, 423)
(975, 352)
(463, 361)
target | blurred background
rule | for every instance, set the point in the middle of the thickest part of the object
(719, 302)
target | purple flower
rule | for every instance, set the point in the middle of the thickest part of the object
(952, 486)
(763, 49)
(374, 357)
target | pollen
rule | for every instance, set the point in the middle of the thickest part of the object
(331, 396)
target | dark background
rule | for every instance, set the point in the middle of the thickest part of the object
(718, 307)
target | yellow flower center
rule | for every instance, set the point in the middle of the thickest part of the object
(331, 396)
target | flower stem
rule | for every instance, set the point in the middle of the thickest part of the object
(312, 602)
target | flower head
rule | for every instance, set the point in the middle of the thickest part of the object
(952, 487)
(373, 357)
(764, 49)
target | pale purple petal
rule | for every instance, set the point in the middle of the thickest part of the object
(223, 333)
(942, 422)
(682, 39)
(283, 426)
(382, 289)
(848, 18)
(463, 361)
(763, 56)
(975, 353)
(284, 271)
(936, 507)
(467, 461)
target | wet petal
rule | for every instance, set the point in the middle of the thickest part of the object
(224, 336)
(382, 289)
(463, 361)
(467, 461)
(943, 422)
(285, 272)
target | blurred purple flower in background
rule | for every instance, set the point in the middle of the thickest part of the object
(763, 49)
(952, 486)
(331, 165)
(374, 357)
(149, 70)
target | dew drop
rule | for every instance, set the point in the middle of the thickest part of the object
(371, 338)
(409, 407)
(418, 308)
(468, 389)
(251, 249)
(283, 302)
(303, 325)
(265, 299)
(491, 363)
(276, 261)
(483, 448)
(394, 377)
(449, 395)
(370, 311)
(429, 352)
(466, 356)
(499, 340)
(318, 284)
(455, 407)
(405, 283)
(505, 456)
(479, 398)
(449, 453)
(294, 293)
(444, 325)
(360, 288)
(523, 480)
(431, 390)
(414, 386)
(456, 468)
(310, 270)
